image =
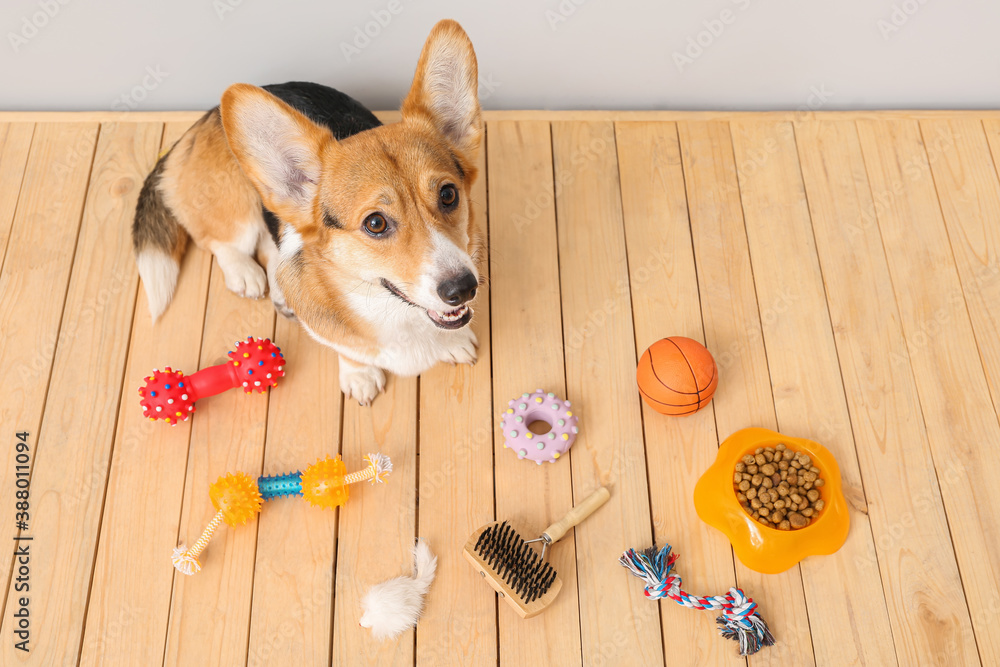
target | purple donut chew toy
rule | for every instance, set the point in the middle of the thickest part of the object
(539, 407)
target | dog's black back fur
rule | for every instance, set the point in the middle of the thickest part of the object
(341, 113)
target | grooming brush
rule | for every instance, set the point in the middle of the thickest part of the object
(512, 567)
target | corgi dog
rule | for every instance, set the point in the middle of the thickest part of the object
(364, 230)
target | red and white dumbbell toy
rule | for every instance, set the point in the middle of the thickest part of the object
(170, 395)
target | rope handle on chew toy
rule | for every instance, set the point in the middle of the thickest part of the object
(739, 621)
(238, 498)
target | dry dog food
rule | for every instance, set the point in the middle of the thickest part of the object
(779, 487)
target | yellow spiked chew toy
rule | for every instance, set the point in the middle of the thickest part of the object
(238, 498)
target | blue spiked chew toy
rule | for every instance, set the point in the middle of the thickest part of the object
(739, 620)
(277, 486)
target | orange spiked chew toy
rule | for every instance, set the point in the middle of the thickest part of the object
(238, 498)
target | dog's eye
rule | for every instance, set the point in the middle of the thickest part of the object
(375, 224)
(449, 196)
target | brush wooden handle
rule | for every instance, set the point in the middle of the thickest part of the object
(555, 532)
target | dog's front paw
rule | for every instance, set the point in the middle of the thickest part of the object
(362, 383)
(278, 297)
(282, 308)
(244, 276)
(464, 350)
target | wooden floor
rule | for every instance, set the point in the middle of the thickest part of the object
(843, 268)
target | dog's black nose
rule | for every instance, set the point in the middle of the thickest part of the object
(458, 289)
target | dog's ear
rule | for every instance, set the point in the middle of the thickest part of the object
(278, 148)
(445, 87)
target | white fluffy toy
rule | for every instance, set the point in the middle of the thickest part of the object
(394, 606)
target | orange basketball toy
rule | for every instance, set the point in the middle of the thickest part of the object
(677, 376)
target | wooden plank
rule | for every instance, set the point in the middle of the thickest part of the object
(544, 115)
(15, 140)
(456, 490)
(809, 397)
(735, 334)
(618, 626)
(967, 188)
(296, 543)
(127, 610)
(130, 594)
(527, 355)
(377, 526)
(168, 117)
(729, 306)
(127, 617)
(664, 287)
(73, 445)
(38, 262)
(172, 132)
(677, 115)
(946, 363)
(227, 435)
(891, 441)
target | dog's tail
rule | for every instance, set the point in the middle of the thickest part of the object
(424, 565)
(159, 242)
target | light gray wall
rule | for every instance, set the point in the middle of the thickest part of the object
(568, 54)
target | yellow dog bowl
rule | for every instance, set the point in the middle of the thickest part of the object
(759, 547)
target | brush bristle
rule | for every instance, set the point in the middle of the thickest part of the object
(515, 562)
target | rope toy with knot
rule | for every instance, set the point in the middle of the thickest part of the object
(739, 620)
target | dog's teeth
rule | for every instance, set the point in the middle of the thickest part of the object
(455, 314)
(451, 316)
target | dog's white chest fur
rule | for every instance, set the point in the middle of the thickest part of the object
(409, 343)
